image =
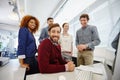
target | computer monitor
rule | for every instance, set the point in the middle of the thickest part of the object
(116, 73)
(116, 64)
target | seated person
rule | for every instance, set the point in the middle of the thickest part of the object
(49, 53)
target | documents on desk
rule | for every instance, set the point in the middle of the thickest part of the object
(84, 75)
(93, 68)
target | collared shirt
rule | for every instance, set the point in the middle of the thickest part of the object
(44, 34)
(26, 44)
(88, 35)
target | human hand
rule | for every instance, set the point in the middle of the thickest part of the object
(81, 47)
(70, 66)
(25, 66)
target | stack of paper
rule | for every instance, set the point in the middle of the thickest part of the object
(94, 69)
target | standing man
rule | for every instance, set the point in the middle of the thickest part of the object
(86, 39)
(44, 31)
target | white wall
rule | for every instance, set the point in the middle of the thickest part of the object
(103, 14)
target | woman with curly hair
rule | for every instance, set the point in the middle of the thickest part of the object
(27, 45)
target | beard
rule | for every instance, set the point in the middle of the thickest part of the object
(54, 39)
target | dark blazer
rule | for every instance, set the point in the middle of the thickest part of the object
(26, 43)
(49, 57)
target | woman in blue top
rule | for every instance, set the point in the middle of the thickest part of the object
(27, 45)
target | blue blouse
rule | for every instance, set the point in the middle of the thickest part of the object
(26, 43)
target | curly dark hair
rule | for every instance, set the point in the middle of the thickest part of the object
(26, 19)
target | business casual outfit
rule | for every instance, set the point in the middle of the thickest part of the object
(66, 46)
(49, 57)
(27, 49)
(44, 34)
(87, 35)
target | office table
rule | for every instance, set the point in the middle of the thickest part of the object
(68, 75)
(12, 71)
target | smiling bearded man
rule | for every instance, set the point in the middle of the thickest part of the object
(49, 53)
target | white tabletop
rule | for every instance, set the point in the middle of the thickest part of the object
(68, 76)
(12, 71)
